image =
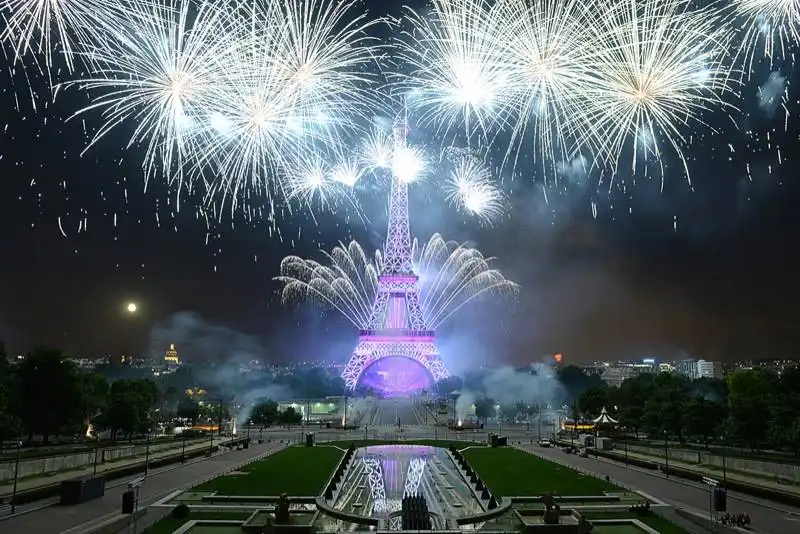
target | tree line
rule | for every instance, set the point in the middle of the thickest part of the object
(46, 395)
(755, 408)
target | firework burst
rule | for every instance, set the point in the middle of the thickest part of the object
(451, 275)
(471, 188)
(156, 73)
(658, 65)
(773, 25)
(455, 76)
(47, 27)
(234, 97)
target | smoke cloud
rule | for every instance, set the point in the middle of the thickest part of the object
(771, 93)
(535, 385)
(464, 403)
(200, 340)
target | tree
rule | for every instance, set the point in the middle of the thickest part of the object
(130, 407)
(592, 400)
(485, 408)
(265, 413)
(94, 394)
(50, 393)
(10, 425)
(631, 418)
(446, 386)
(290, 417)
(575, 381)
(189, 409)
(703, 418)
(750, 394)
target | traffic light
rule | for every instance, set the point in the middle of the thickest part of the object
(128, 502)
(720, 499)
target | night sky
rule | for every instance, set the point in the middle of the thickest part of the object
(707, 271)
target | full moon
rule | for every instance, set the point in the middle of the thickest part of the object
(131, 307)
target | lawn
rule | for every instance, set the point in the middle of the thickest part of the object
(512, 472)
(652, 520)
(169, 524)
(294, 471)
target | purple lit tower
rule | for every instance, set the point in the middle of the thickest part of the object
(397, 341)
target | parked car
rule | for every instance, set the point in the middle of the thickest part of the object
(568, 449)
(583, 453)
(544, 443)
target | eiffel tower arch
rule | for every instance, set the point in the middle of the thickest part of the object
(396, 327)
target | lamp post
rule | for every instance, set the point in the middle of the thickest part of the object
(666, 454)
(183, 447)
(724, 469)
(147, 453)
(96, 450)
(16, 477)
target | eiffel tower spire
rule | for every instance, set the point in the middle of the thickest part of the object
(397, 250)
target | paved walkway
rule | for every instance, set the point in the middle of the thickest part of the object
(767, 517)
(26, 484)
(75, 519)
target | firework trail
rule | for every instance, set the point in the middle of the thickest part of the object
(451, 275)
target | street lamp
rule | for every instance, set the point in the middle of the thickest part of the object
(724, 469)
(16, 477)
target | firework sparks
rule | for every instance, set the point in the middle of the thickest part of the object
(232, 98)
(773, 24)
(455, 73)
(45, 27)
(451, 275)
(658, 65)
(471, 188)
(156, 73)
(547, 53)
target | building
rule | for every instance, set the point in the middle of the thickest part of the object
(687, 368)
(709, 369)
(171, 356)
(84, 363)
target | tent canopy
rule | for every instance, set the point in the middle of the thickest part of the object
(604, 418)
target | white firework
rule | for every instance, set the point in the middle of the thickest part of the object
(472, 188)
(61, 27)
(545, 44)
(456, 73)
(658, 66)
(451, 275)
(155, 75)
(771, 25)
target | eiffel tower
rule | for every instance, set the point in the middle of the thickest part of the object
(396, 325)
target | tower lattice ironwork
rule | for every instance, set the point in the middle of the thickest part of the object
(396, 325)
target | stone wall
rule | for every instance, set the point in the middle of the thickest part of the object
(757, 467)
(29, 467)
